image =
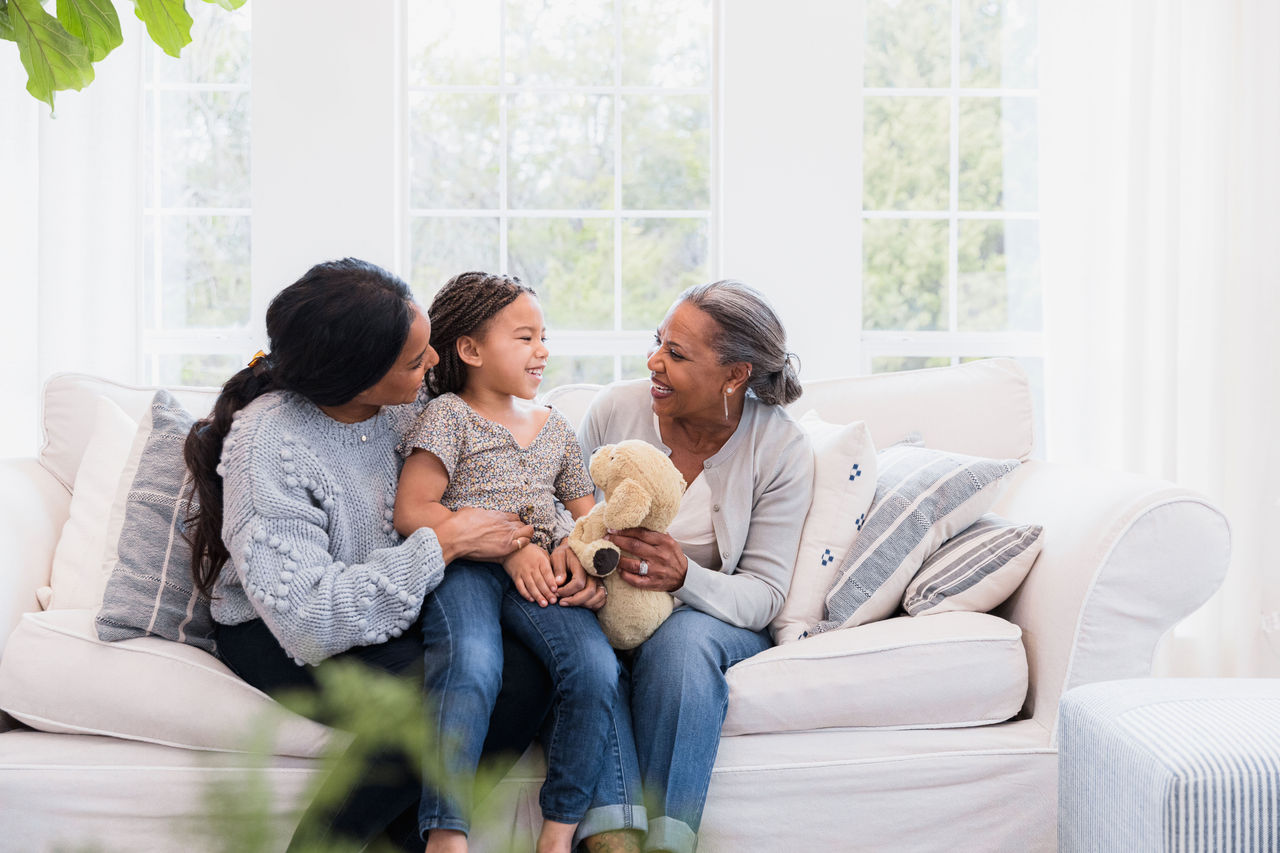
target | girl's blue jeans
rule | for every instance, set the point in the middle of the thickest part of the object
(675, 685)
(462, 625)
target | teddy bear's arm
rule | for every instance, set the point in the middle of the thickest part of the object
(628, 505)
(591, 526)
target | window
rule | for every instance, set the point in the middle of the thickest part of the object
(950, 231)
(195, 307)
(570, 144)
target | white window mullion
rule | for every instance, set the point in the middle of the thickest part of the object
(504, 96)
(617, 177)
(953, 226)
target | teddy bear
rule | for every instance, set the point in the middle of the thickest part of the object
(642, 488)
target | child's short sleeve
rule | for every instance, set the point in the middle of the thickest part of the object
(440, 429)
(573, 481)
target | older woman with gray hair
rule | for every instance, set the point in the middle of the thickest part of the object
(720, 375)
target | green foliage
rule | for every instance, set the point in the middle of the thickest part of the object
(58, 53)
(53, 58)
(376, 712)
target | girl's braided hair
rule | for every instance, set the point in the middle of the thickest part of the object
(465, 304)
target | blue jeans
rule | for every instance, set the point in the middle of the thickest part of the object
(462, 636)
(676, 686)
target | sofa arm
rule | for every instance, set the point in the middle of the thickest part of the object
(33, 508)
(1125, 558)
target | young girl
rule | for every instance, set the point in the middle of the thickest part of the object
(482, 442)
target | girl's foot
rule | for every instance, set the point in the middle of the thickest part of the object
(614, 841)
(556, 837)
(446, 841)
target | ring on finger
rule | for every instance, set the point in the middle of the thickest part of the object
(644, 568)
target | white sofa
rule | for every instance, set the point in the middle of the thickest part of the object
(908, 757)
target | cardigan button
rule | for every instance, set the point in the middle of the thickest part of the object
(716, 508)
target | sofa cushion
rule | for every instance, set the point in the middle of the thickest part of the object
(844, 482)
(151, 590)
(923, 498)
(977, 569)
(982, 408)
(67, 430)
(953, 669)
(57, 676)
(77, 577)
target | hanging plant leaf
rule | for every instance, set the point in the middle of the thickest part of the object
(167, 22)
(54, 59)
(94, 22)
(229, 5)
(6, 26)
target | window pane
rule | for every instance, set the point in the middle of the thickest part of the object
(997, 43)
(895, 363)
(453, 42)
(635, 367)
(569, 42)
(453, 150)
(441, 248)
(666, 43)
(998, 154)
(660, 258)
(998, 276)
(904, 274)
(219, 51)
(908, 43)
(563, 370)
(204, 272)
(204, 149)
(207, 369)
(561, 151)
(666, 152)
(570, 263)
(906, 153)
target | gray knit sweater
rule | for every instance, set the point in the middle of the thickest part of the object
(307, 517)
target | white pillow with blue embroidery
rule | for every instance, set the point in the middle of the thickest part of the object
(844, 483)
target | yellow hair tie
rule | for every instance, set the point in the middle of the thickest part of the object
(257, 357)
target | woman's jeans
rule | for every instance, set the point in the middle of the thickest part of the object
(463, 621)
(676, 687)
(387, 801)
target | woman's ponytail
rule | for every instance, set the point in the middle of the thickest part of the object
(202, 452)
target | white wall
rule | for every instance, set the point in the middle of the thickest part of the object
(792, 169)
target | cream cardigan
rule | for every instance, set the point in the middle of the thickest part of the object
(761, 485)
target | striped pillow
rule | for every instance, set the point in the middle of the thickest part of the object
(923, 498)
(151, 591)
(977, 569)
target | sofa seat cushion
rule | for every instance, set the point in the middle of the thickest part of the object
(57, 676)
(937, 671)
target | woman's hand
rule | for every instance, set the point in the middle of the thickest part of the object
(530, 569)
(664, 564)
(579, 587)
(481, 534)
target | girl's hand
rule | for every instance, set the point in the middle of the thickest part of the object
(581, 589)
(664, 563)
(481, 534)
(530, 569)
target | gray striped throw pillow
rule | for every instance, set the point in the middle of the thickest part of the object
(151, 591)
(975, 570)
(923, 498)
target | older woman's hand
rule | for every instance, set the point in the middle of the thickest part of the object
(663, 562)
(579, 588)
(481, 534)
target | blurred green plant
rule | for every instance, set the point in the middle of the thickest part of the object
(375, 712)
(58, 53)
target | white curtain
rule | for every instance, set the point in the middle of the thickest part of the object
(1160, 164)
(69, 217)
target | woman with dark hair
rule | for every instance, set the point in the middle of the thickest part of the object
(720, 375)
(295, 470)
